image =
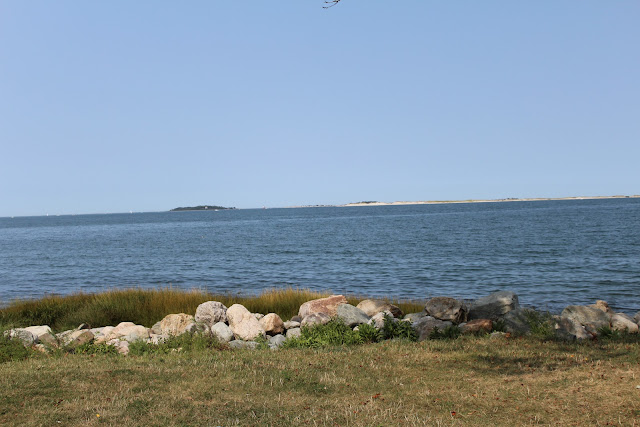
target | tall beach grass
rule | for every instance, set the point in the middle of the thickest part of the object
(147, 306)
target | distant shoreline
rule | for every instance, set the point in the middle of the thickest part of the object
(443, 202)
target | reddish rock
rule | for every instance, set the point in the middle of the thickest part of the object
(272, 324)
(326, 306)
(477, 326)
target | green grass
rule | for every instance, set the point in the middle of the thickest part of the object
(145, 307)
(472, 381)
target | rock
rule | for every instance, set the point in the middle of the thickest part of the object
(290, 324)
(294, 333)
(415, 317)
(77, 338)
(296, 318)
(82, 326)
(516, 321)
(243, 324)
(38, 331)
(250, 345)
(569, 330)
(49, 340)
(378, 320)
(426, 325)
(445, 308)
(373, 307)
(326, 306)
(277, 340)
(351, 316)
(494, 306)
(121, 346)
(636, 318)
(97, 331)
(315, 319)
(211, 312)
(27, 338)
(157, 339)
(258, 316)
(176, 324)
(623, 322)
(591, 318)
(602, 305)
(128, 331)
(222, 332)
(477, 326)
(41, 348)
(272, 324)
(156, 328)
(497, 334)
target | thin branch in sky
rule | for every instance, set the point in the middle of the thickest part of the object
(330, 3)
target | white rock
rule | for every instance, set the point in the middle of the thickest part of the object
(623, 322)
(38, 331)
(243, 323)
(211, 312)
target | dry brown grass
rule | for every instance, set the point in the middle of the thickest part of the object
(470, 381)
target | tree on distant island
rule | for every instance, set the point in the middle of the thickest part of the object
(200, 208)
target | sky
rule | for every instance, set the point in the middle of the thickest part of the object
(148, 105)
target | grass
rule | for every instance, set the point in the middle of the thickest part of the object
(145, 307)
(467, 381)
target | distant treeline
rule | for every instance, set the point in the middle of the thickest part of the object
(199, 208)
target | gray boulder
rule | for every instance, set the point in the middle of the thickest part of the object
(494, 306)
(277, 340)
(373, 307)
(315, 319)
(589, 317)
(378, 320)
(415, 317)
(517, 321)
(294, 333)
(211, 312)
(570, 330)
(351, 316)
(445, 308)
(49, 340)
(636, 318)
(222, 332)
(77, 338)
(156, 329)
(623, 322)
(27, 338)
(426, 325)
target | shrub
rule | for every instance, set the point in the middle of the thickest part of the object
(541, 324)
(333, 333)
(397, 329)
(13, 349)
(369, 333)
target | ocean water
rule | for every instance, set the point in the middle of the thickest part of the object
(551, 253)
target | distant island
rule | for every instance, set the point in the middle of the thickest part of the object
(200, 208)
(510, 199)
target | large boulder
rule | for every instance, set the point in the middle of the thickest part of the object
(570, 330)
(445, 308)
(326, 306)
(477, 326)
(294, 333)
(77, 338)
(128, 331)
(39, 331)
(623, 322)
(426, 325)
(222, 332)
(602, 305)
(211, 312)
(372, 307)
(351, 316)
(26, 337)
(243, 323)
(589, 317)
(494, 306)
(636, 318)
(315, 319)
(415, 317)
(272, 324)
(517, 321)
(176, 324)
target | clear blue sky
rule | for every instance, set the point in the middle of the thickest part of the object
(149, 105)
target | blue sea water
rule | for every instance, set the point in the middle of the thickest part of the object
(551, 253)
